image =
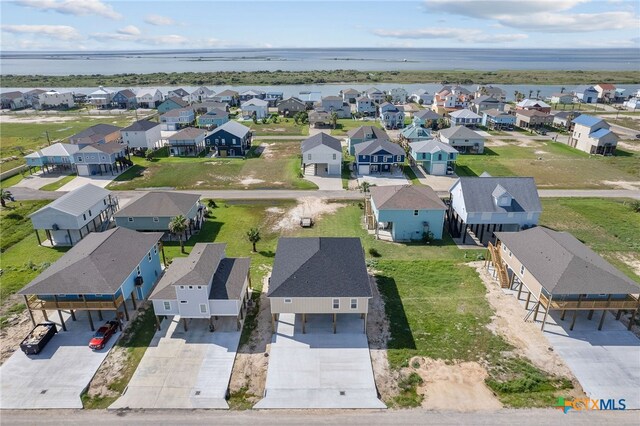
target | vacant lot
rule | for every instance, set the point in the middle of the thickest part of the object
(284, 127)
(629, 122)
(274, 164)
(553, 165)
(345, 124)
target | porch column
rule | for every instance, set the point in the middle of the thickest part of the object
(365, 323)
(26, 302)
(526, 305)
(158, 323)
(334, 323)
(184, 324)
(90, 320)
(304, 320)
(100, 315)
(604, 312)
(238, 322)
(73, 314)
(481, 233)
(633, 317)
(44, 314)
(618, 315)
(273, 322)
(38, 237)
(575, 313)
(546, 312)
(133, 299)
(590, 314)
(520, 289)
(562, 315)
(464, 233)
(126, 311)
(64, 327)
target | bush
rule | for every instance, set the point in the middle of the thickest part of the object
(635, 206)
(374, 253)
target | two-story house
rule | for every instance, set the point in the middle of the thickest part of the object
(375, 94)
(482, 103)
(100, 158)
(606, 92)
(179, 93)
(586, 94)
(365, 106)
(337, 105)
(378, 156)
(143, 134)
(52, 99)
(101, 98)
(255, 107)
(149, 97)
(273, 98)
(349, 95)
(593, 135)
(96, 134)
(177, 119)
(436, 157)
(70, 218)
(464, 117)
(465, 140)
(172, 103)
(363, 134)
(56, 157)
(391, 116)
(291, 106)
(533, 105)
(232, 139)
(532, 118)
(188, 142)
(562, 98)
(213, 118)
(202, 94)
(252, 94)
(398, 95)
(321, 155)
(414, 133)
(229, 97)
(13, 100)
(494, 92)
(495, 119)
(425, 118)
(422, 97)
(125, 99)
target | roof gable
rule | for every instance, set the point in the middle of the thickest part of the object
(321, 139)
(478, 194)
(406, 197)
(159, 204)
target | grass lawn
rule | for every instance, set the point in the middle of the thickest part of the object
(625, 122)
(560, 166)
(15, 217)
(59, 184)
(276, 167)
(608, 226)
(284, 127)
(10, 181)
(345, 124)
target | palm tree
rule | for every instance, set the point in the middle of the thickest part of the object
(365, 186)
(334, 119)
(177, 226)
(5, 195)
(515, 95)
(538, 94)
(253, 235)
(562, 90)
(530, 93)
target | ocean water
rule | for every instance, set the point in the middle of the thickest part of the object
(378, 59)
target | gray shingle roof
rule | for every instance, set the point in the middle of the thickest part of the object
(107, 148)
(127, 93)
(460, 132)
(229, 279)
(176, 112)
(427, 114)
(359, 133)
(563, 265)
(319, 267)
(77, 201)
(478, 194)
(370, 147)
(98, 264)
(159, 204)
(406, 197)
(141, 126)
(187, 133)
(321, 139)
(234, 128)
(99, 130)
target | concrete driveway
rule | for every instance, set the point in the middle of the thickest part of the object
(384, 179)
(437, 183)
(38, 180)
(57, 376)
(320, 369)
(328, 183)
(101, 181)
(184, 369)
(606, 362)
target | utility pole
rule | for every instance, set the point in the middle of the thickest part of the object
(48, 140)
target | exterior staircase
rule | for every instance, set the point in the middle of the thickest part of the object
(501, 269)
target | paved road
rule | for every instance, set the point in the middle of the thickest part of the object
(316, 417)
(286, 194)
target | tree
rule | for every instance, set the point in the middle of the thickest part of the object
(177, 226)
(5, 195)
(442, 123)
(365, 186)
(149, 155)
(334, 119)
(530, 93)
(562, 90)
(254, 117)
(296, 117)
(253, 235)
(538, 94)
(515, 95)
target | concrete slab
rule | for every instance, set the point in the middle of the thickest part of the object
(38, 180)
(384, 179)
(101, 181)
(329, 183)
(320, 369)
(184, 369)
(57, 376)
(605, 362)
(437, 183)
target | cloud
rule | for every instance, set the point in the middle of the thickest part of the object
(158, 20)
(58, 32)
(129, 30)
(73, 7)
(537, 15)
(460, 34)
(157, 40)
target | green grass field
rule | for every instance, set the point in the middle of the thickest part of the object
(284, 127)
(553, 165)
(344, 125)
(275, 168)
(59, 183)
(625, 122)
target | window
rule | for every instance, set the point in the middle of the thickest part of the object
(149, 256)
(184, 302)
(336, 303)
(335, 156)
(199, 287)
(354, 303)
(155, 249)
(79, 159)
(415, 212)
(84, 216)
(309, 157)
(287, 300)
(181, 287)
(510, 254)
(203, 308)
(522, 270)
(504, 248)
(155, 219)
(190, 287)
(105, 202)
(89, 213)
(167, 306)
(129, 219)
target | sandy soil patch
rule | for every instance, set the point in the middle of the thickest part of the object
(266, 151)
(631, 259)
(632, 186)
(495, 142)
(629, 146)
(250, 181)
(526, 143)
(527, 338)
(250, 367)
(456, 387)
(35, 119)
(18, 326)
(540, 152)
(307, 207)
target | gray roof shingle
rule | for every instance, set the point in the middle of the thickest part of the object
(361, 131)
(321, 139)
(478, 194)
(406, 197)
(564, 265)
(141, 126)
(98, 264)
(319, 267)
(159, 204)
(233, 127)
(98, 130)
(460, 132)
(370, 147)
(229, 278)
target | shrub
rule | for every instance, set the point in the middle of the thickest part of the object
(374, 253)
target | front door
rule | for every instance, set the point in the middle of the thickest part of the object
(373, 168)
(139, 294)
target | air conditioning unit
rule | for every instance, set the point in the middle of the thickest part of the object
(55, 227)
(138, 281)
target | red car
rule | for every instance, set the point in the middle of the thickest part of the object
(102, 336)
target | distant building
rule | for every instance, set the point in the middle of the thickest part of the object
(53, 99)
(188, 142)
(593, 135)
(143, 134)
(465, 140)
(391, 116)
(586, 94)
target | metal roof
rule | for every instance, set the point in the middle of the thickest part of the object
(431, 146)
(98, 264)
(477, 193)
(77, 201)
(406, 197)
(564, 265)
(55, 150)
(587, 120)
(319, 267)
(464, 113)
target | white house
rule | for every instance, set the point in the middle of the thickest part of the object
(73, 216)
(365, 105)
(206, 284)
(349, 95)
(398, 95)
(179, 93)
(632, 104)
(593, 135)
(391, 116)
(258, 106)
(606, 92)
(321, 155)
(149, 97)
(336, 104)
(482, 205)
(464, 117)
(202, 94)
(54, 99)
(422, 97)
(101, 98)
(376, 95)
(463, 139)
(142, 134)
(562, 98)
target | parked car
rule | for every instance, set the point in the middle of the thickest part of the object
(638, 136)
(541, 131)
(102, 336)
(449, 170)
(38, 337)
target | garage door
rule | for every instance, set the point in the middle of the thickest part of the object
(83, 170)
(439, 169)
(363, 170)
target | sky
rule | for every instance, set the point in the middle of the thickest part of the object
(45, 25)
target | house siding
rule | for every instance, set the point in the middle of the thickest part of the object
(407, 226)
(317, 305)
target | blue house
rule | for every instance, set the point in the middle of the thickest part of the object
(172, 103)
(586, 94)
(495, 119)
(405, 212)
(100, 273)
(378, 156)
(216, 117)
(415, 133)
(425, 118)
(58, 155)
(125, 99)
(435, 157)
(363, 134)
(232, 139)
